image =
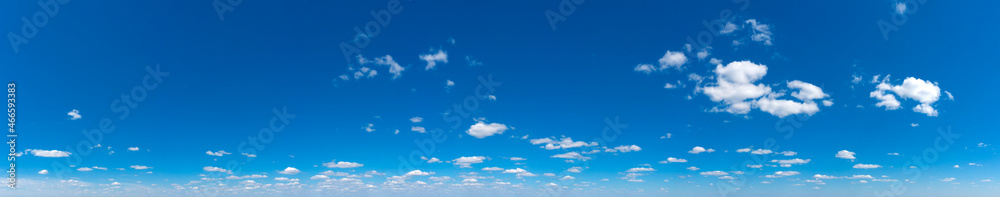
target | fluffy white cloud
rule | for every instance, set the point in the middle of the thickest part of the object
(743, 150)
(564, 143)
(492, 169)
(43, 172)
(571, 155)
(418, 129)
(433, 58)
(290, 170)
(417, 173)
(481, 129)
(671, 59)
(699, 149)
(465, 162)
(49, 153)
(820, 176)
(416, 119)
(714, 173)
(761, 152)
(922, 91)
(342, 164)
(761, 32)
(728, 28)
(386, 60)
(844, 154)
(575, 170)
(74, 115)
(692, 168)
(624, 149)
(789, 162)
(640, 169)
(133, 148)
(434, 160)
(319, 177)
(736, 89)
(138, 167)
(219, 153)
(779, 174)
(674, 160)
(84, 169)
(866, 166)
(214, 169)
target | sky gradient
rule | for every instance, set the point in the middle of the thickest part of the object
(497, 98)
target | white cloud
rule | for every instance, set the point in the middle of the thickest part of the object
(729, 27)
(743, 150)
(214, 169)
(692, 168)
(492, 169)
(567, 177)
(432, 59)
(703, 53)
(418, 129)
(133, 148)
(866, 166)
(779, 174)
(342, 164)
(43, 172)
(369, 128)
(564, 143)
(948, 179)
(640, 169)
(571, 155)
(319, 177)
(788, 153)
(138, 167)
(645, 68)
(714, 173)
(439, 178)
(74, 115)
(900, 8)
(789, 162)
(575, 170)
(416, 119)
(449, 83)
(219, 153)
(761, 32)
(290, 171)
(434, 160)
(84, 169)
(249, 155)
(922, 91)
(49, 153)
(465, 162)
(418, 173)
(624, 149)
(674, 160)
(844, 154)
(699, 149)
(672, 59)
(820, 176)
(481, 130)
(386, 60)
(761, 152)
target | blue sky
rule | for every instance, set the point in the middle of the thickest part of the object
(544, 98)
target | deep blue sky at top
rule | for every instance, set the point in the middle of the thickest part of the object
(227, 75)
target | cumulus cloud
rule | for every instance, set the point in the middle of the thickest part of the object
(699, 149)
(844, 154)
(640, 169)
(290, 171)
(133, 148)
(74, 114)
(924, 92)
(571, 155)
(387, 61)
(761, 152)
(43, 172)
(714, 173)
(465, 162)
(564, 143)
(789, 162)
(416, 119)
(674, 160)
(779, 174)
(139, 167)
(418, 173)
(737, 90)
(433, 58)
(623, 149)
(866, 166)
(342, 164)
(214, 169)
(671, 59)
(418, 129)
(492, 169)
(219, 153)
(761, 32)
(481, 129)
(49, 153)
